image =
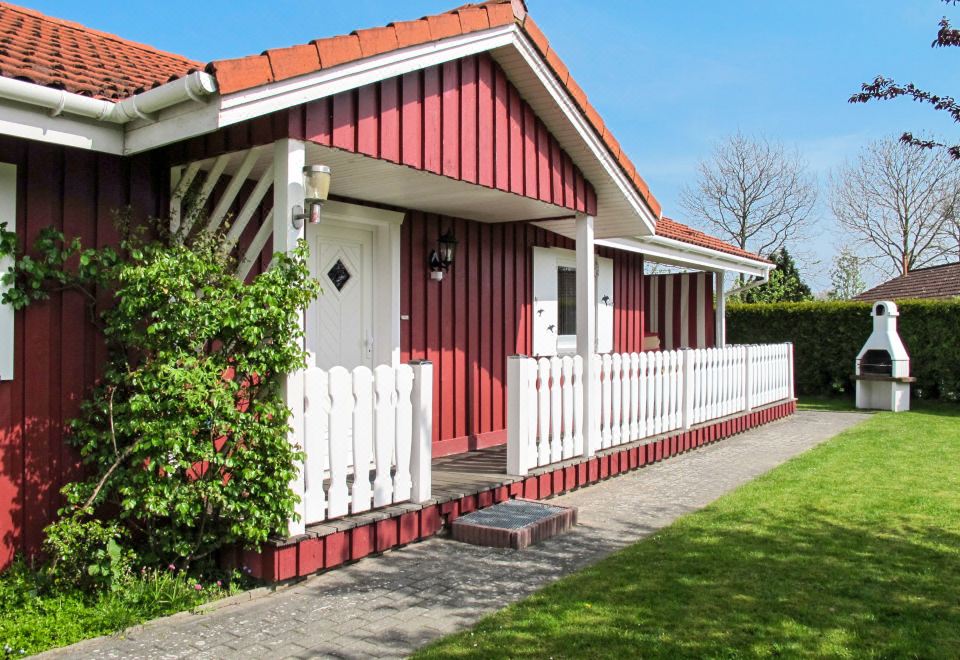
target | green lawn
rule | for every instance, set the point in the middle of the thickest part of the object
(850, 550)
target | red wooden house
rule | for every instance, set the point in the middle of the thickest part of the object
(463, 125)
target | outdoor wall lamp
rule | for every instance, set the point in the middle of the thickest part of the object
(316, 189)
(442, 258)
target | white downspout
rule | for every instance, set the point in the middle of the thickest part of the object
(192, 87)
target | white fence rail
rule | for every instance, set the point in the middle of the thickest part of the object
(367, 438)
(639, 394)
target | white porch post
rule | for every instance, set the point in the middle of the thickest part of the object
(587, 327)
(721, 320)
(421, 449)
(289, 157)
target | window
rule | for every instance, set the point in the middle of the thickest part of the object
(555, 302)
(566, 301)
(8, 214)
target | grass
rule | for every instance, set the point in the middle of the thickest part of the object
(826, 403)
(33, 619)
(850, 550)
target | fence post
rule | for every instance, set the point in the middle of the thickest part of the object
(686, 386)
(748, 378)
(518, 414)
(790, 390)
(421, 449)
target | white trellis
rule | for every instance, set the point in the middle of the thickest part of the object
(189, 198)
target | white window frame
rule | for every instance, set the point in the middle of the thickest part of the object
(8, 214)
(547, 263)
(566, 344)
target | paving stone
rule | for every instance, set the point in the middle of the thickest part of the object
(390, 605)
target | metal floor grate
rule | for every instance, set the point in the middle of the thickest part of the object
(512, 514)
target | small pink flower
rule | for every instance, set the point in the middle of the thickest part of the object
(219, 583)
(171, 567)
(198, 587)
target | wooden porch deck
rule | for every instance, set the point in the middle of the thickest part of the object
(466, 482)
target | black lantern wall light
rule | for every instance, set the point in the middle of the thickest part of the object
(441, 259)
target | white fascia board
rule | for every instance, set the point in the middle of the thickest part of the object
(586, 131)
(35, 123)
(686, 255)
(271, 97)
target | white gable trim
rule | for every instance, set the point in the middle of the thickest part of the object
(686, 255)
(8, 214)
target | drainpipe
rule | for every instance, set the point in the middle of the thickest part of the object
(721, 321)
(192, 87)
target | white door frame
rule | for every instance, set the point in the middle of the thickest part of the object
(385, 270)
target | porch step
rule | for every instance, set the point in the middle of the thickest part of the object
(513, 524)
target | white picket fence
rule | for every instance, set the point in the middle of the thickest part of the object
(367, 438)
(640, 395)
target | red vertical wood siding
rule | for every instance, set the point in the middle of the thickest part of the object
(57, 353)
(664, 313)
(461, 119)
(469, 323)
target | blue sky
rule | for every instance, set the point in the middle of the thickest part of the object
(670, 78)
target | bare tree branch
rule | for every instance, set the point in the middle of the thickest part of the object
(898, 202)
(752, 192)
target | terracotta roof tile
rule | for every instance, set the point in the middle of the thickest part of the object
(377, 40)
(538, 38)
(500, 14)
(559, 68)
(337, 50)
(241, 73)
(443, 26)
(473, 19)
(678, 231)
(65, 55)
(933, 282)
(612, 144)
(411, 33)
(293, 61)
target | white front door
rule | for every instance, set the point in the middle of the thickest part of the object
(340, 328)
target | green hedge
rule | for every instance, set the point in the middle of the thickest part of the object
(828, 335)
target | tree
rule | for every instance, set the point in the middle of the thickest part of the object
(846, 275)
(884, 89)
(785, 283)
(751, 192)
(896, 200)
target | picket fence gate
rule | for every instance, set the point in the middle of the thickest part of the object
(639, 394)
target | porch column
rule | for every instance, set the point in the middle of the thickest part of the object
(289, 157)
(587, 327)
(721, 319)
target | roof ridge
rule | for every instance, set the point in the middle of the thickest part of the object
(73, 25)
(918, 270)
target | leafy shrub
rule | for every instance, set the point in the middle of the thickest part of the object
(827, 335)
(87, 553)
(185, 435)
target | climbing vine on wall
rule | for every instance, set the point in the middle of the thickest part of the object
(185, 434)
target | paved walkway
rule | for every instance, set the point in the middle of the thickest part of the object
(390, 605)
